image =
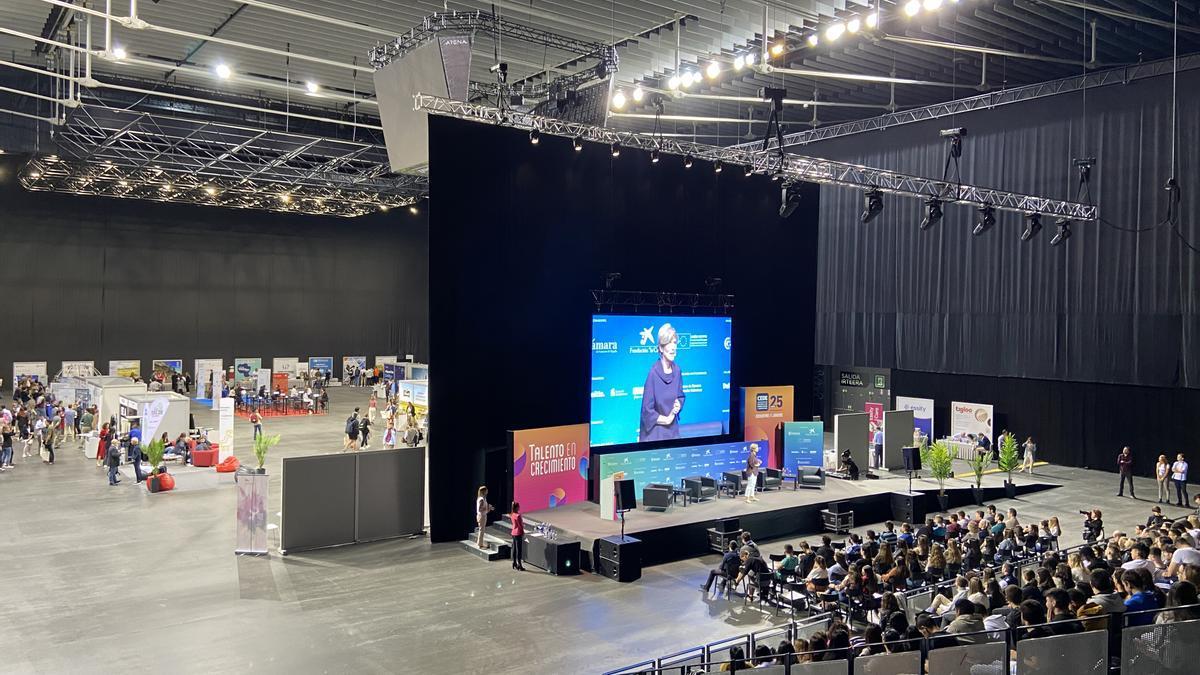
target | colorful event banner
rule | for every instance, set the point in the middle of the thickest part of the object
(922, 412)
(34, 370)
(672, 465)
(550, 466)
(167, 367)
(225, 428)
(125, 368)
(78, 368)
(391, 372)
(874, 414)
(803, 445)
(763, 410)
(287, 365)
(320, 364)
(970, 418)
(246, 368)
(384, 360)
(352, 366)
(204, 377)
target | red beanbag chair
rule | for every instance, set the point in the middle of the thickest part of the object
(230, 465)
(166, 482)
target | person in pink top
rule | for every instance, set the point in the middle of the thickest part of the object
(518, 537)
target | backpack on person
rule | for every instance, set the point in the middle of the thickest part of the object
(351, 426)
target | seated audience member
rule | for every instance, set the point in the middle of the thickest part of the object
(1139, 559)
(906, 534)
(749, 545)
(805, 560)
(727, 569)
(763, 657)
(943, 605)
(967, 620)
(1182, 594)
(818, 577)
(1058, 609)
(737, 661)
(825, 550)
(1138, 585)
(839, 569)
(784, 654)
(787, 566)
(1011, 611)
(888, 536)
(1033, 613)
(754, 569)
(1185, 554)
(935, 638)
(802, 651)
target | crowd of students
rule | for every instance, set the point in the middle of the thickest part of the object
(864, 580)
(39, 424)
(402, 427)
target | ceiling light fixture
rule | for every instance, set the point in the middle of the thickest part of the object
(834, 31)
(814, 40)
(413, 210)
(748, 171)
(119, 53)
(615, 149)
(312, 87)
(638, 94)
(717, 166)
(673, 83)
(1064, 231)
(713, 71)
(285, 198)
(872, 205)
(210, 190)
(932, 5)
(777, 48)
(687, 161)
(750, 58)
(654, 156)
(577, 143)
(872, 19)
(987, 218)
(934, 215)
(223, 71)
(739, 62)
(534, 136)
(618, 100)
(853, 25)
(1034, 226)
(912, 8)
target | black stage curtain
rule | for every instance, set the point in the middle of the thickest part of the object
(519, 234)
(1106, 306)
(1074, 423)
(100, 279)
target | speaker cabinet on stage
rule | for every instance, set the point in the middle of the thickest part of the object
(619, 558)
(626, 499)
(838, 507)
(912, 458)
(907, 507)
(727, 525)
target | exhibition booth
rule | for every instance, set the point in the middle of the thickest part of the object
(105, 391)
(156, 412)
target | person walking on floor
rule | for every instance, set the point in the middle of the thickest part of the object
(482, 508)
(1125, 467)
(1179, 474)
(135, 457)
(256, 420)
(752, 464)
(351, 441)
(113, 460)
(6, 448)
(1030, 454)
(102, 447)
(364, 430)
(518, 537)
(372, 409)
(1162, 474)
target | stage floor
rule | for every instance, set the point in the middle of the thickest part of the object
(582, 520)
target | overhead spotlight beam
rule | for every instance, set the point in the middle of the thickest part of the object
(796, 167)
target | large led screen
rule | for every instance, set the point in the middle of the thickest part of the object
(672, 465)
(657, 378)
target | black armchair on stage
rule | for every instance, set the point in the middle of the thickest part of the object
(770, 478)
(810, 476)
(700, 487)
(657, 496)
(736, 480)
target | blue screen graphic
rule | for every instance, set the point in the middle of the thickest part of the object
(672, 465)
(626, 359)
(803, 445)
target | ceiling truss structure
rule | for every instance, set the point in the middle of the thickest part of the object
(122, 153)
(791, 167)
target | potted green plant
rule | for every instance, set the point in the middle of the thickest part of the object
(979, 463)
(939, 460)
(262, 444)
(154, 451)
(1010, 460)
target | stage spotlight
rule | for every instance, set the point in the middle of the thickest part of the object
(777, 48)
(872, 19)
(413, 209)
(638, 94)
(853, 25)
(987, 218)
(382, 207)
(872, 205)
(577, 143)
(1064, 231)
(912, 8)
(615, 149)
(750, 58)
(739, 62)
(654, 156)
(223, 71)
(934, 215)
(119, 53)
(210, 190)
(534, 136)
(285, 198)
(312, 87)
(814, 40)
(713, 70)
(932, 5)
(123, 183)
(35, 174)
(748, 171)
(687, 161)
(1034, 226)
(834, 31)
(673, 83)
(717, 166)
(789, 200)
(777, 176)
(618, 100)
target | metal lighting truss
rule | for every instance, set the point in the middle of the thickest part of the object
(124, 153)
(704, 303)
(791, 167)
(987, 101)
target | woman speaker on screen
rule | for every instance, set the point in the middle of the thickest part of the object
(662, 397)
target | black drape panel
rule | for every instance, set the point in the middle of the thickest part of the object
(101, 279)
(520, 233)
(1106, 306)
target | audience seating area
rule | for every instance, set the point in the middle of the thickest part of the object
(972, 594)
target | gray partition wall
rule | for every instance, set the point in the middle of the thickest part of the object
(851, 431)
(333, 500)
(897, 433)
(1072, 654)
(1161, 649)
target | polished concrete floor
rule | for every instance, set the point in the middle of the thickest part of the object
(100, 579)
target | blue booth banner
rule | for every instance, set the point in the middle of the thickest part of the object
(321, 364)
(922, 409)
(803, 445)
(672, 465)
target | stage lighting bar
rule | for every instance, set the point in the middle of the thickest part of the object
(796, 167)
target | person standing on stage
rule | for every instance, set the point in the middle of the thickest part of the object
(518, 537)
(1125, 467)
(1162, 474)
(1030, 456)
(877, 442)
(752, 464)
(1179, 472)
(482, 508)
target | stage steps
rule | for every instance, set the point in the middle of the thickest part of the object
(500, 548)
